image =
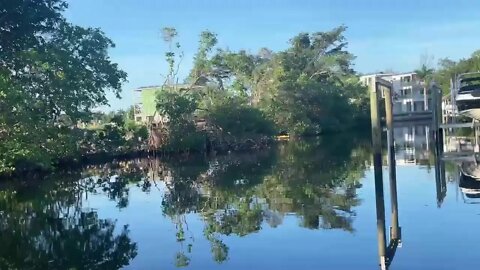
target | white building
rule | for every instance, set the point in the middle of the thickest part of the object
(409, 96)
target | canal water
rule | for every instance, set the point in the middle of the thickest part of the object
(308, 204)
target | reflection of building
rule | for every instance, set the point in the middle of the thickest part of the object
(409, 97)
(412, 144)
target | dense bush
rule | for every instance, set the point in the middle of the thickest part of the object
(240, 120)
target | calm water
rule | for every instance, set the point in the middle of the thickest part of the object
(302, 205)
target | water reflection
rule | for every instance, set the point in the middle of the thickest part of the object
(214, 204)
(413, 144)
(460, 163)
(50, 225)
(50, 228)
(416, 145)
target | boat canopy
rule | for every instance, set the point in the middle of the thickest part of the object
(468, 88)
(470, 79)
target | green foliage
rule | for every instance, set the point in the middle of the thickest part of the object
(307, 89)
(175, 106)
(234, 118)
(182, 133)
(448, 69)
(51, 71)
(310, 88)
(201, 65)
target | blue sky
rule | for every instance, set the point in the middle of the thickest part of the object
(381, 34)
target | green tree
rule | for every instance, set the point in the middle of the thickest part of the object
(201, 65)
(50, 69)
(182, 133)
(425, 74)
(305, 89)
(448, 69)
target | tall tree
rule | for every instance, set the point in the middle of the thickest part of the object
(173, 55)
(50, 68)
(425, 74)
(201, 64)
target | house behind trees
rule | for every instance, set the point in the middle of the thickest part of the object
(409, 98)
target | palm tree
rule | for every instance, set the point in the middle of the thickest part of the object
(425, 75)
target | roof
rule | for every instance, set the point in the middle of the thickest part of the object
(377, 74)
(388, 74)
(200, 82)
(404, 73)
(147, 87)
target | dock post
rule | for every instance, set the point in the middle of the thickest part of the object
(453, 99)
(441, 131)
(437, 114)
(377, 162)
(434, 111)
(395, 229)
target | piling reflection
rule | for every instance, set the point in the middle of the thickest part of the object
(440, 176)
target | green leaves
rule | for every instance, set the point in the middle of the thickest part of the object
(178, 110)
(240, 120)
(53, 70)
(448, 69)
(175, 105)
(307, 89)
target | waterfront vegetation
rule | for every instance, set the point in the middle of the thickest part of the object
(53, 74)
(447, 69)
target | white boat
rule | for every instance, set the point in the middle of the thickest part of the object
(470, 177)
(468, 97)
(471, 169)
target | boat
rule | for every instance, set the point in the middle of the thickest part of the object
(469, 186)
(470, 177)
(468, 96)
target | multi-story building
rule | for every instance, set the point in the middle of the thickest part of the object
(145, 109)
(409, 97)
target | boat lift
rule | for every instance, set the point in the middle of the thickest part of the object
(449, 110)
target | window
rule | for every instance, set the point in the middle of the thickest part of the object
(405, 91)
(409, 106)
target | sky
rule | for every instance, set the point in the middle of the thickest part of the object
(383, 35)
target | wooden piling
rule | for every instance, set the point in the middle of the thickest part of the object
(395, 228)
(377, 162)
(439, 110)
(437, 114)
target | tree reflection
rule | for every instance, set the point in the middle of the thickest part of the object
(48, 228)
(236, 194)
